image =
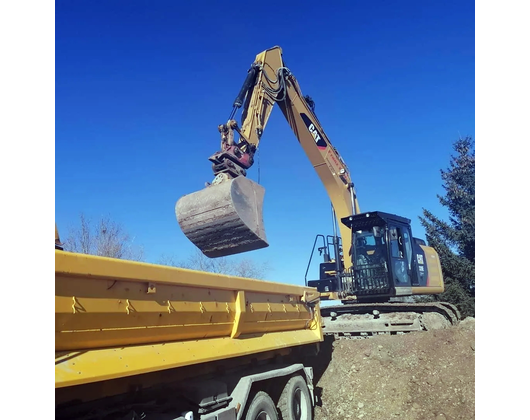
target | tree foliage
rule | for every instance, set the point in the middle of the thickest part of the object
(454, 240)
(105, 238)
(243, 267)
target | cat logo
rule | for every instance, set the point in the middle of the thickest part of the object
(320, 142)
(314, 132)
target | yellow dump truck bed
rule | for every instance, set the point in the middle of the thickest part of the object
(116, 318)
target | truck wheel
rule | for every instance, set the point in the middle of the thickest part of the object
(295, 401)
(262, 408)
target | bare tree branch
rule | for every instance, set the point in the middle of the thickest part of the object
(106, 238)
(198, 261)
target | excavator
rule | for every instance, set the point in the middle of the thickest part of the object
(371, 268)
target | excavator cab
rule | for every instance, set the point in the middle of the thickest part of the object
(387, 260)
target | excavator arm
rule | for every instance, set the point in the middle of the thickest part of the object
(226, 217)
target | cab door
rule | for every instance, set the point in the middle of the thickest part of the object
(401, 259)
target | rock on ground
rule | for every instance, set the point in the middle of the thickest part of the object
(420, 375)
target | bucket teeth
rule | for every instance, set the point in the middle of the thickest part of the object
(225, 218)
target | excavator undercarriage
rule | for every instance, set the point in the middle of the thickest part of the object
(362, 320)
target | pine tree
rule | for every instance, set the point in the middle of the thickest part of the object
(454, 240)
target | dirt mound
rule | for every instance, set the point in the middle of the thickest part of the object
(419, 375)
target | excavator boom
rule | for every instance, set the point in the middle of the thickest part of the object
(226, 217)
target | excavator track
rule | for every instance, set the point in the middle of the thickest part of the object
(363, 320)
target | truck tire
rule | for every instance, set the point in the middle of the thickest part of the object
(262, 408)
(295, 401)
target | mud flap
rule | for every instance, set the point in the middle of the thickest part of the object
(224, 219)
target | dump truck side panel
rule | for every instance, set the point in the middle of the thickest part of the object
(117, 318)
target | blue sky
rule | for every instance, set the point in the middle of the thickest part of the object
(141, 87)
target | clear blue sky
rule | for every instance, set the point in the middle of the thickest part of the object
(142, 85)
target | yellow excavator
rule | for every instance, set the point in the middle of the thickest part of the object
(375, 262)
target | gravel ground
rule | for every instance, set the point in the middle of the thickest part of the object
(420, 375)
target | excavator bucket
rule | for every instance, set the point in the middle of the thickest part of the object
(224, 219)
